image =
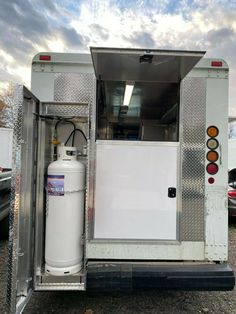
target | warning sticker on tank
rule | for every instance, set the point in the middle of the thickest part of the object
(55, 185)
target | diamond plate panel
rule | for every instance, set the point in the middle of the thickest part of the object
(19, 285)
(78, 110)
(73, 87)
(81, 88)
(193, 116)
(16, 101)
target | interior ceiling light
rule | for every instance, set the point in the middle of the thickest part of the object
(128, 92)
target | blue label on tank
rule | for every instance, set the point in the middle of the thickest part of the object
(55, 185)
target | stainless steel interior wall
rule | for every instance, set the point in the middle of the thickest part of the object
(192, 138)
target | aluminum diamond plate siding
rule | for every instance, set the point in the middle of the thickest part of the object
(22, 200)
(73, 87)
(81, 88)
(193, 116)
(78, 110)
(15, 191)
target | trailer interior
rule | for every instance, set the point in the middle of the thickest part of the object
(153, 111)
(152, 114)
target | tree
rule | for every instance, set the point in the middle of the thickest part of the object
(6, 105)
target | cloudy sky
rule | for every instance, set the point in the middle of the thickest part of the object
(30, 26)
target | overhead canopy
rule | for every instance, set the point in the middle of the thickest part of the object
(171, 66)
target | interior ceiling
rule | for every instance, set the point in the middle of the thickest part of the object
(153, 98)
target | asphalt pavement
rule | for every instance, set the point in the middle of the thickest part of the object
(144, 303)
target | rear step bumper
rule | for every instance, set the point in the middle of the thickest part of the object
(127, 277)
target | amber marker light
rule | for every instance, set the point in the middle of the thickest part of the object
(212, 156)
(212, 131)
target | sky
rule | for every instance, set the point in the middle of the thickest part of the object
(31, 26)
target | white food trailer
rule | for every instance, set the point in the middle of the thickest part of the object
(120, 171)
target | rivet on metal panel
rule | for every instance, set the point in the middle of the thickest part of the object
(82, 240)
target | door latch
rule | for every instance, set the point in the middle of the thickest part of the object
(171, 192)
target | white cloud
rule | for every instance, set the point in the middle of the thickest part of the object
(74, 26)
(6, 56)
(56, 44)
(24, 71)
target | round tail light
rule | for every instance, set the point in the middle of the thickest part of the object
(212, 168)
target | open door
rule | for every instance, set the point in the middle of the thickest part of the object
(143, 65)
(137, 144)
(21, 231)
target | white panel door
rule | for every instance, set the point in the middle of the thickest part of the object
(131, 193)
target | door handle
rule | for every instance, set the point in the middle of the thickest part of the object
(171, 192)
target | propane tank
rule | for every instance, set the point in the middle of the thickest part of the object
(64, 214)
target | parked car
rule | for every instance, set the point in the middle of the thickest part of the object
(5, 192)
(232, 172)
(232, 193)
(6, 135)
(232, 202)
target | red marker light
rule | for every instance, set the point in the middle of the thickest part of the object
(212, 168)
(45, 58)
(211, 180)
(216, 63)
